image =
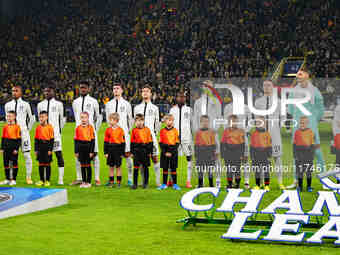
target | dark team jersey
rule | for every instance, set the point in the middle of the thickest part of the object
(303, 144)
(205, 144)
(169, 140)
(260, 144)
(232, 143)
(141, 141)
(114, 140)
(11, 137)
(84, 138)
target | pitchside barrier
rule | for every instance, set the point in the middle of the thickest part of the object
(283, 220)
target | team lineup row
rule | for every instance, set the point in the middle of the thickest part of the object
(199, 121)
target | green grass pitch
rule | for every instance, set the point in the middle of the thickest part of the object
(107, 221)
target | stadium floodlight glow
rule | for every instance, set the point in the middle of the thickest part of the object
(286, 211)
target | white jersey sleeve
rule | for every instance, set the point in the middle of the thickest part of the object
(30, 116)
(97, 116)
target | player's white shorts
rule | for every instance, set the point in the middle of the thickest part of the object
(185, 149)
(57, 146)
(276, 143)
(96, 143)
(246, 144)
(25, 141)
(127, 143)
(155, 150)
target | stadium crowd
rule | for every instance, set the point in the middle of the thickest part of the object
(166, 43)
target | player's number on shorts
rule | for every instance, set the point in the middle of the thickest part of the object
(56, 145)
(276, 148)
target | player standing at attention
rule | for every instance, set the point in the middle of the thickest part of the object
(141, 149)
(43, 147)
(242, 123)
(10, 144)
(182, 122)
(84, 144)
(119, 105)
(273, 126)
(232, 151)
(114, 148)
(151, 116)
(86, 103)
(303, 151)
(316, 107)
(55, 113)
(169, 142)
(25, 119)
(260, 153)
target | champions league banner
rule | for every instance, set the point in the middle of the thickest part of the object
(289, 222)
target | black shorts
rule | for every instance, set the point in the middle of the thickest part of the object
(9, 156)
(169, 162)
(114, 159)
(141, 160)
(43, 157)
(84, 154)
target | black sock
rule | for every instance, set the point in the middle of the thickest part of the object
(89, 174)
(146, 175)
(309, 182)
(48, 173)
(112, 179)
(174, 176)
(230, 182)
(119, 179)
(135, 176)
(266, 181)
(211, 182)
(8, 173)
(42, 173)
(83, 173)
(238, 180)
(300, 181)
(200, 182)
(165, 176)
(258, 182)
(15, 173)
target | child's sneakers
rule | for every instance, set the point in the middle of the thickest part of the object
(309, 189)
(134, 186)
(170, 183)
(39, 183)
(82, 185)
(257, 187)
(12, 183)
(246, 186)
(266, 188)
(47, 184)
(282, 187)
(5, 182)
(98, 183)
(176, 187)
(188, 185)
(163, 186)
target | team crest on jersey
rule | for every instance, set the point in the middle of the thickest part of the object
(122, 109)
(54, 109)
(186, 115)
(21, 108)
(88, 106)
(150, 112)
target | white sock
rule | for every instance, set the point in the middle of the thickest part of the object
(78, 170)
(278, 169)
(28, 163)
(157, 173)
(129, 164)
(246, 170)
(189, 171)
(61, 174)
(96, 164)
